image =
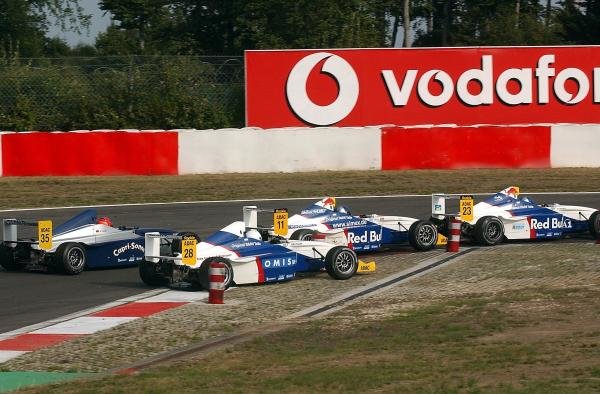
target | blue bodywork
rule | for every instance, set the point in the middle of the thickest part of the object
(364, 235)
(543, 221)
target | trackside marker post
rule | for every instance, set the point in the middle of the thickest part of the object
(216, 285)
(454, 240)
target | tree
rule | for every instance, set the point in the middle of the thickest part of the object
(24, 23)
(580, 21)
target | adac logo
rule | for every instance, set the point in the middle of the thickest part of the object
(304, 107)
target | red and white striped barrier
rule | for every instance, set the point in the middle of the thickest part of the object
(181, 152)
(216, 282)
(454, 239)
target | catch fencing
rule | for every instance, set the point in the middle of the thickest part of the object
(115, 92)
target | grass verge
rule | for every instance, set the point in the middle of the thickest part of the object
(23, 192)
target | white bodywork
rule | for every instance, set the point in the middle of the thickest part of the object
(88, 234)
(245, 269)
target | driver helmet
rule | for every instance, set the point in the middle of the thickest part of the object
(105, 220)
(343, 209)
(253, 234)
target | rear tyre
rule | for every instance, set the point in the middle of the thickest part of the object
(488, 231)
(302, 234)
(203, 272)
(176, 244)
(594, 224)
(149, 274)
(71, 258)
(7, 259)
(422, 235)
(341, 263)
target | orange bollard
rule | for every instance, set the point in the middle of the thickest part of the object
(454, 239)
(216, 279)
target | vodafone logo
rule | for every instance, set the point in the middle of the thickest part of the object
(304, 107)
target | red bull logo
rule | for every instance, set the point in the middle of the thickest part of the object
(329, 202)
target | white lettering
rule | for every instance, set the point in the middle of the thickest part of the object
(543, 73)
(521, 75)
(399, 95)
(443, 79)
(484, 76)
(582, 81)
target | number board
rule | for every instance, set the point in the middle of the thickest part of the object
(188, 251)
(466, 208)
(45, 234)
(280, 221)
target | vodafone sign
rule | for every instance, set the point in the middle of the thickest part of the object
(464, 86)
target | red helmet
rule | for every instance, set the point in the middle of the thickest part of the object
(105, 220)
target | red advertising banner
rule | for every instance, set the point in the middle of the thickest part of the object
(463, 86)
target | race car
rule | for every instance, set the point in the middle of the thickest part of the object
(247, 256)
(83, 241)
(365, 232)
(507, 215)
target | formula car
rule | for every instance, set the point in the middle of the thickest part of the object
(248, 257)
(82, 241)
(507, 215)
(365, 232)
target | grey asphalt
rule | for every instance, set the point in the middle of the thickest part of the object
(31, 297)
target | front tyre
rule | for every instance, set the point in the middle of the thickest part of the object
(488, 231)
(302, 234)
(150, 276)
(71, 258)
(203, 272)
(341, 262)
(594, 224)
(422, 235)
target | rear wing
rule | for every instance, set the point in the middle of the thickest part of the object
(10, 232)
(152, 245)
(439, 206)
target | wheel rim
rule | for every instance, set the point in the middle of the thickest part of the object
(426, 235)
(345, 261)
(75, 258)
(306, 237)
(493, 231)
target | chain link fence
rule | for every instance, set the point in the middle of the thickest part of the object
(129, 92)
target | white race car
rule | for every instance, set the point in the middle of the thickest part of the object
(507, 215)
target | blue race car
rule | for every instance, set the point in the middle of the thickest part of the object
(249, 257)
(82, 241)
(365, 232)
(508, 215)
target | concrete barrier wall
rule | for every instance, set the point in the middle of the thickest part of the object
(157, 152)
(279, 150)
(575, 146)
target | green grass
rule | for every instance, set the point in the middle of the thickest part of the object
(448, 346)
(20, 192)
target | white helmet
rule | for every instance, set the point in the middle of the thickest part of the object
(254, 234)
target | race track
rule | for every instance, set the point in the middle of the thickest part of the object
(28, 298)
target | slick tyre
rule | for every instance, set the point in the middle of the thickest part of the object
(422, 235)
(71, 258)
(341, 263)
(594, 224)
(150, 276)
(488, 231)
(302, 234)
(176, 244)
(7, 259)
(203, 273)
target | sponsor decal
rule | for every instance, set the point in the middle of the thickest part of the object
(127, 247)
(550, 223)
(350, 223)
(304, 107)
(353, 87)
(278, 262)
(314, 211)
(364, 237)
(247, 243)
(518, 226)
(302, 225)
